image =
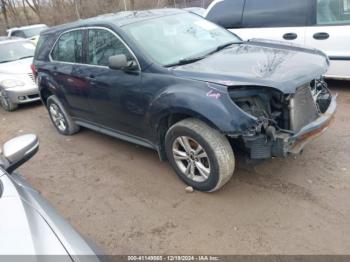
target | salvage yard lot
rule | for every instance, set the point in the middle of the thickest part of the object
(128, 202)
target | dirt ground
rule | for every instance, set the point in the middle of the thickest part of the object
(128, 202)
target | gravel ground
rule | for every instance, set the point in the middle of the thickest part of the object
(128, 202)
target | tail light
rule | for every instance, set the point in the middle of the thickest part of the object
(32, 66)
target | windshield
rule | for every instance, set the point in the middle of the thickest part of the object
(170, 39)
(35, 31)
(13, 51)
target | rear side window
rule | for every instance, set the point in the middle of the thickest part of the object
(275, 13)
(18, 34)
(42, 44)
(331, 12)
(102, 45)
(227, 13)
(69, 47)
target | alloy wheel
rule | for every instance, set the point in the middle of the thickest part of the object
(191, 159)
(57, 117)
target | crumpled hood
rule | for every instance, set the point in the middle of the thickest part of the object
(17, 67)
(263, 63)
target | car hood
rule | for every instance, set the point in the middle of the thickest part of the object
(259, 62)
(17, 67)
(23, 231)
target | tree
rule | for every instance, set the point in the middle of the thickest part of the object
(76, 6)
(25, 11)
(35, 6)
(4, 12)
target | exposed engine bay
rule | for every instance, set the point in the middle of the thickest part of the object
(280, 116)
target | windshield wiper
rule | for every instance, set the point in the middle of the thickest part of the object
(186, 61)
(221, 47)
(195, 59)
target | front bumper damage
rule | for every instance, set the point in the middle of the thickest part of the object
(286, 143)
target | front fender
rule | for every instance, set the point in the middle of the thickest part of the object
(208, 102)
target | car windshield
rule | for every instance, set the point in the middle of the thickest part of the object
(30, 32)
(12, 51)
(171, 40)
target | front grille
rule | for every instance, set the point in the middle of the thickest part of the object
(33, 96)
(303, 109)
(31, 76)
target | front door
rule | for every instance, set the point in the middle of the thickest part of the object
(117, 96)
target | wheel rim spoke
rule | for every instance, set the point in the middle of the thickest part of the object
(188, 169)
(53, 111)
(185, 144)
(180, 155)
(204, 172)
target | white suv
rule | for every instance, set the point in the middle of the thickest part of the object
(322, 24)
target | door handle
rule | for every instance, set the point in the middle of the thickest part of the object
(290, 36)
(321, 36)
(91, 77)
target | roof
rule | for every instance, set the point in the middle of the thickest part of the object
(25, 27)
(119, 19)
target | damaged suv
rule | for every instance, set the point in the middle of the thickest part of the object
(177, 83)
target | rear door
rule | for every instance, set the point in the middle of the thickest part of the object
(281, 20)
(331, 34)
(66, 57)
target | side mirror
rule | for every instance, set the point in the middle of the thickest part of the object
(19, 150)
(120, 62)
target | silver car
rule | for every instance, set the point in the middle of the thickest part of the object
(17, 83)
(29, 225)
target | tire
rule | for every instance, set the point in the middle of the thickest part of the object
(60, 118)
(6, 103)
(211, 167)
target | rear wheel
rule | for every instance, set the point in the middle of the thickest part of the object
(201, 156)
(6, 103)
(60, 118)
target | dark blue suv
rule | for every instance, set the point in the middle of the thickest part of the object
(177, 83)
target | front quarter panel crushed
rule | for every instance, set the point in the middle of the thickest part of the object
(206, 101)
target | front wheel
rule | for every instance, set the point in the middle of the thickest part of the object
(6, 103)
(201, 156)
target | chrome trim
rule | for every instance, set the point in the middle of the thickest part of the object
(89, 28)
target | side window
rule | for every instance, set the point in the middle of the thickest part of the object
(275, 13)
(102, 45)
(227, 13)
(18, 34)
(331, 12)
(69, 47)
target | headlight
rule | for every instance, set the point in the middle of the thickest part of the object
(11, 83)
